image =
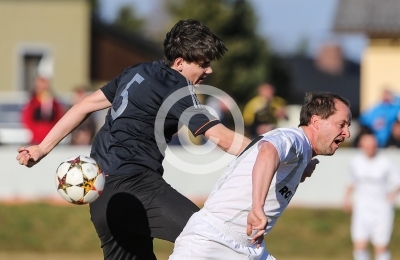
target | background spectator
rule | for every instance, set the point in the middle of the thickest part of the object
(361, 131)
(85, 132)
(42, 111)
(394, 138)
(381, 117)
(262, 113)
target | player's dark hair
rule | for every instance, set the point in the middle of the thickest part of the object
(192, 41)
(320, 104)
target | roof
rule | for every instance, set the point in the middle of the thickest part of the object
(306, 77)
(113, 49)
(134, 40)
(379, 18)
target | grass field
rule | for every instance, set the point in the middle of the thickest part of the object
(44, 231)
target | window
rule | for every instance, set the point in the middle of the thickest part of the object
(29, 58)
(30, 69)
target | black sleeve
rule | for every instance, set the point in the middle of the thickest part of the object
(192, 114)
(110, 89)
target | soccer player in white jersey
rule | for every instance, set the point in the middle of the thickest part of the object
(258, 185)
(375, 181)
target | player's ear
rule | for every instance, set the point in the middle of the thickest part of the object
(178, 64)
(315, 121)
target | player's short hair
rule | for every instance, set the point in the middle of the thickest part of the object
(192, 41)
(321, 104)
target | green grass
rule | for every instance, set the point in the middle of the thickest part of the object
(318, 234)
(46, 228)
(49, 231)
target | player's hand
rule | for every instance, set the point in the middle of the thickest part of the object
(391, 197)
(30, 156)
(308, 171)
(257, 220)
(347, 206)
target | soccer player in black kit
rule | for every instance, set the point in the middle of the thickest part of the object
(137, 204)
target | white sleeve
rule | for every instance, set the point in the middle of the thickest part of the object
(394, 175)
(285, 147)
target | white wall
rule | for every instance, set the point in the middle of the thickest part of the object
(192, 175)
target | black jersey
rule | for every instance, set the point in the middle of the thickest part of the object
(149, 102)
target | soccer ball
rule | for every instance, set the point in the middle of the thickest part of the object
(79, 180)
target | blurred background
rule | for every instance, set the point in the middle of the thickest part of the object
(53, 52)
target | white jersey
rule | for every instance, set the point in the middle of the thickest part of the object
(373, 214)
(372, 178)
(231, 198)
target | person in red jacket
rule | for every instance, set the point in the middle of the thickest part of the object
(42, 111)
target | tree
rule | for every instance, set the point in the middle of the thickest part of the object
(94, 6)
(128, 20)
(302, 47)
(247, 62)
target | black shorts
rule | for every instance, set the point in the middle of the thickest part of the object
(133, 209)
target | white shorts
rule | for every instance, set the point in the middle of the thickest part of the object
(372, 223)
(207, 237)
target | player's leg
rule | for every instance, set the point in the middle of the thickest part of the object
(382, 253)
(200, 239)
(197, 247)
(360, 250)
(120, 219)
(360, 233)
(134, 209)
(382, 232)
(168, 211)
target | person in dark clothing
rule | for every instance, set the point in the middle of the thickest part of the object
(148, 102)
(394, 138)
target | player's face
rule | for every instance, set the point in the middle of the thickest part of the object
(368, 145)
(333, 130)
(195, 72)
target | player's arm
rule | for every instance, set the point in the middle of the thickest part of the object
(308, 171)
(394, 180)
(393, 194)
(226, 139)
(199, 121)
(29, 156)
(347, 203)
(264, 170)
(353, 180)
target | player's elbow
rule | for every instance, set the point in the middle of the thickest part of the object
(220, 136)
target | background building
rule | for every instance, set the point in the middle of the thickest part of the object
(380, 63)
(32, 30)
(63, 41)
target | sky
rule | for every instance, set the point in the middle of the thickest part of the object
(283, 22)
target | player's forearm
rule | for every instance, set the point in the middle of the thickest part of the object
(397, 191)
(237, 142)
(264, 170)
(348, 193)
(226, 139)
(73, 118)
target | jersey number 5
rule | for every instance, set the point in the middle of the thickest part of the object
(124, 96)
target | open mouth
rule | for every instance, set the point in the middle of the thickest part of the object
(338, 141)
(199, 80)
